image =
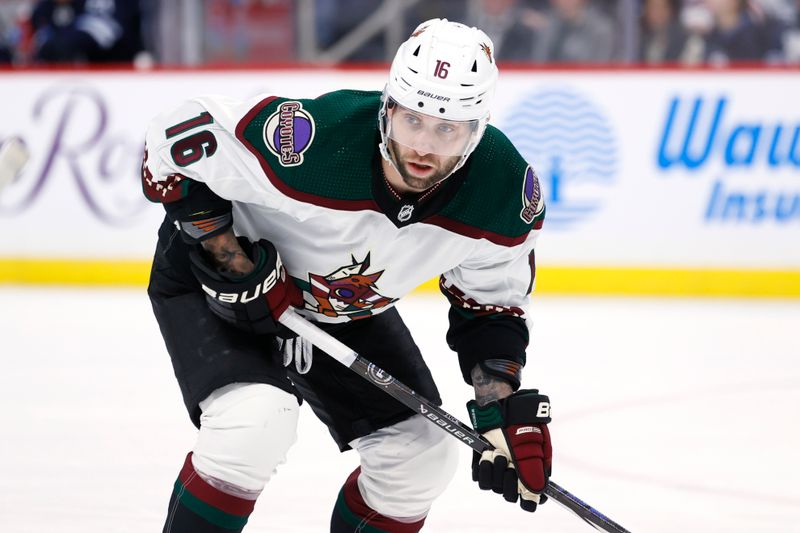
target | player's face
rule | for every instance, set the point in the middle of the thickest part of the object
(426, 149)
(421, 172)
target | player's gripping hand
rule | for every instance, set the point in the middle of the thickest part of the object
(520, 464)
(251, 301)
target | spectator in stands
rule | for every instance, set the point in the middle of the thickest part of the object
(511, 24)
(662, 37)
(741, 33)
(791, 36)
(574, 31)
(337, 18)
(83, 31)
(455, 10)
(6, 39)
(6, 55)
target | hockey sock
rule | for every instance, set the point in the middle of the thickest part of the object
(197, 507)
(353, 514)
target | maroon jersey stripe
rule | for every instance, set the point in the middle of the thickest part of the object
(473, 232)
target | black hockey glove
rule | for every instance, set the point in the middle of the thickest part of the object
(255, 301)
(520, 464)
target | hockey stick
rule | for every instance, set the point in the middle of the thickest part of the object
(433, 413)
(13, 156)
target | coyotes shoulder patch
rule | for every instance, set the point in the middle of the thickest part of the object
(531, 194)
(289, 132)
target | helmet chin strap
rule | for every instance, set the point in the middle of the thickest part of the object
(386, 155)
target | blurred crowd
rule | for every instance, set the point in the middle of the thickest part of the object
(74, 31)
(144, 32)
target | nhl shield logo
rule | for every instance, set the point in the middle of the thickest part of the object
(405, 213)
(289, 132)
(531, 194)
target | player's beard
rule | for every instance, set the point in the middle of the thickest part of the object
(442, 165)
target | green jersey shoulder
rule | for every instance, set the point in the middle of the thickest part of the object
(500, 198)
(317, 150)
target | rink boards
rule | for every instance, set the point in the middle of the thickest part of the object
(656, 181)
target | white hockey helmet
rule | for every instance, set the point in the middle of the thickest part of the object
(445, 70)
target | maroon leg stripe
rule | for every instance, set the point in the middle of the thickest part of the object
(211, 496)
(356, 504)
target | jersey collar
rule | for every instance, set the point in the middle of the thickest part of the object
(405, 209)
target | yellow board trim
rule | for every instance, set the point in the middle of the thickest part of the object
(662, 282)
(74, 272)
(549, 280)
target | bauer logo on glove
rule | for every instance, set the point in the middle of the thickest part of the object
(253, 302)
(244, 297)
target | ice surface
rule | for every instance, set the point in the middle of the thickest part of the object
(669, 415)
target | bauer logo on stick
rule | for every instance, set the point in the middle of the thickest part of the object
(289, 132)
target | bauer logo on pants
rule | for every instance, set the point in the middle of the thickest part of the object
(289, 132)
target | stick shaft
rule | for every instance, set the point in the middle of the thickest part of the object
(447, 422)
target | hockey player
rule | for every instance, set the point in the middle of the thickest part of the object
(366, 196)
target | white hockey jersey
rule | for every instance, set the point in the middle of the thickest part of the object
(305, 174)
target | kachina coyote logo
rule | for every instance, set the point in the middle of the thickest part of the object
(289, 132)
(347, 291)
(569, 141)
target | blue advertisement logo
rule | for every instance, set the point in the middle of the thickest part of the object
(742, 156)
(694, 130)
(570, 144)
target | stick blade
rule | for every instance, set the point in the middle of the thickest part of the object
(13, 156)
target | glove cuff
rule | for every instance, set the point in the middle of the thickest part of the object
(199, 211)
(522, 407)
(485, 417)
(256, 253)
(527, 407)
